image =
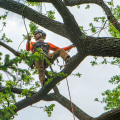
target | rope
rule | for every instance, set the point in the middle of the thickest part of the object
(29, 38)
(24, 18)
(70, 99)
(70, 96)
(105, 27)
(25, 28)
(67, 79)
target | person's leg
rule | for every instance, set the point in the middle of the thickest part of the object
(41, 70)
(60, 52)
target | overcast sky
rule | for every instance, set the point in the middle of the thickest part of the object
(84, 90)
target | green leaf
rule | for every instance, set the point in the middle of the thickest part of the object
(4, 68)
(87, 7)
(33, 27)
(38, 4)
(51, 14)
(93, 63)
(49, 109)
(96, 99)
(78, 6)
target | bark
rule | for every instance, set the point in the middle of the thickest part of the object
(67, 104)
(86, 45)
(34, 16)
(101, 3)
(10, 49)
(69, 21)
(110, 115)
(105, 47)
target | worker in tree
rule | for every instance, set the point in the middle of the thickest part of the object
(40, 36)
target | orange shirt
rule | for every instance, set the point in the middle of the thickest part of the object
(52, 47)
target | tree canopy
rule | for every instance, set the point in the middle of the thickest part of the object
(24, 84)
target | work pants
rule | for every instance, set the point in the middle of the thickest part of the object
(51, 57)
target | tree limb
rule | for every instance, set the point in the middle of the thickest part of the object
(15, 90)
(110, 115)
(10, 49)
(45, 90)
(109, 14)
(105, 47)
(69, 21)
(66, 103)
(101, 3)
(34, 16)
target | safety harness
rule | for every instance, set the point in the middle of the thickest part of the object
(44, 46)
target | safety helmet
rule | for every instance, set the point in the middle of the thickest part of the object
(41, 32)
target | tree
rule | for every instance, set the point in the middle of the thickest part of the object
(86, 45)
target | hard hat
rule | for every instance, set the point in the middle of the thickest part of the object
(41, 32)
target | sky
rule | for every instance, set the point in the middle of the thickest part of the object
(84, 90)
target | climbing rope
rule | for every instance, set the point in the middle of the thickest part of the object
(70, 99)
(105, 27)
(67, 79)
(70, 96)
(29, 38)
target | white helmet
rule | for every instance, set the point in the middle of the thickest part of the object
(41, 32)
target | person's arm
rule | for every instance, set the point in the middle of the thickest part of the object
(53, 47)
(29, 45)
(68, 47)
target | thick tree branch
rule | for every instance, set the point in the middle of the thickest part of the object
(105, 47)
(109, 14)
(69, 2)
(43, 91)
(111, 115)
(54, 97)
(10, 49)
(74, 32)
(66, 103)
(14, 90)
(101, 3)
(34, 16)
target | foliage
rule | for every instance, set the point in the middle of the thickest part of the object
(112, 30)
(33, 27)
(77, 74)
(3, 17)
(49, 109)
(38, 4)
(20, 78)
(4, 37)
(112, 97)
(54, 75)
(51, 14)
(23, 78)
(87, 7)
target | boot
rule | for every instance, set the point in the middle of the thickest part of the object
(67, 60)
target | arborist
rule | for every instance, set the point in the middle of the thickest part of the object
(40, 36)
